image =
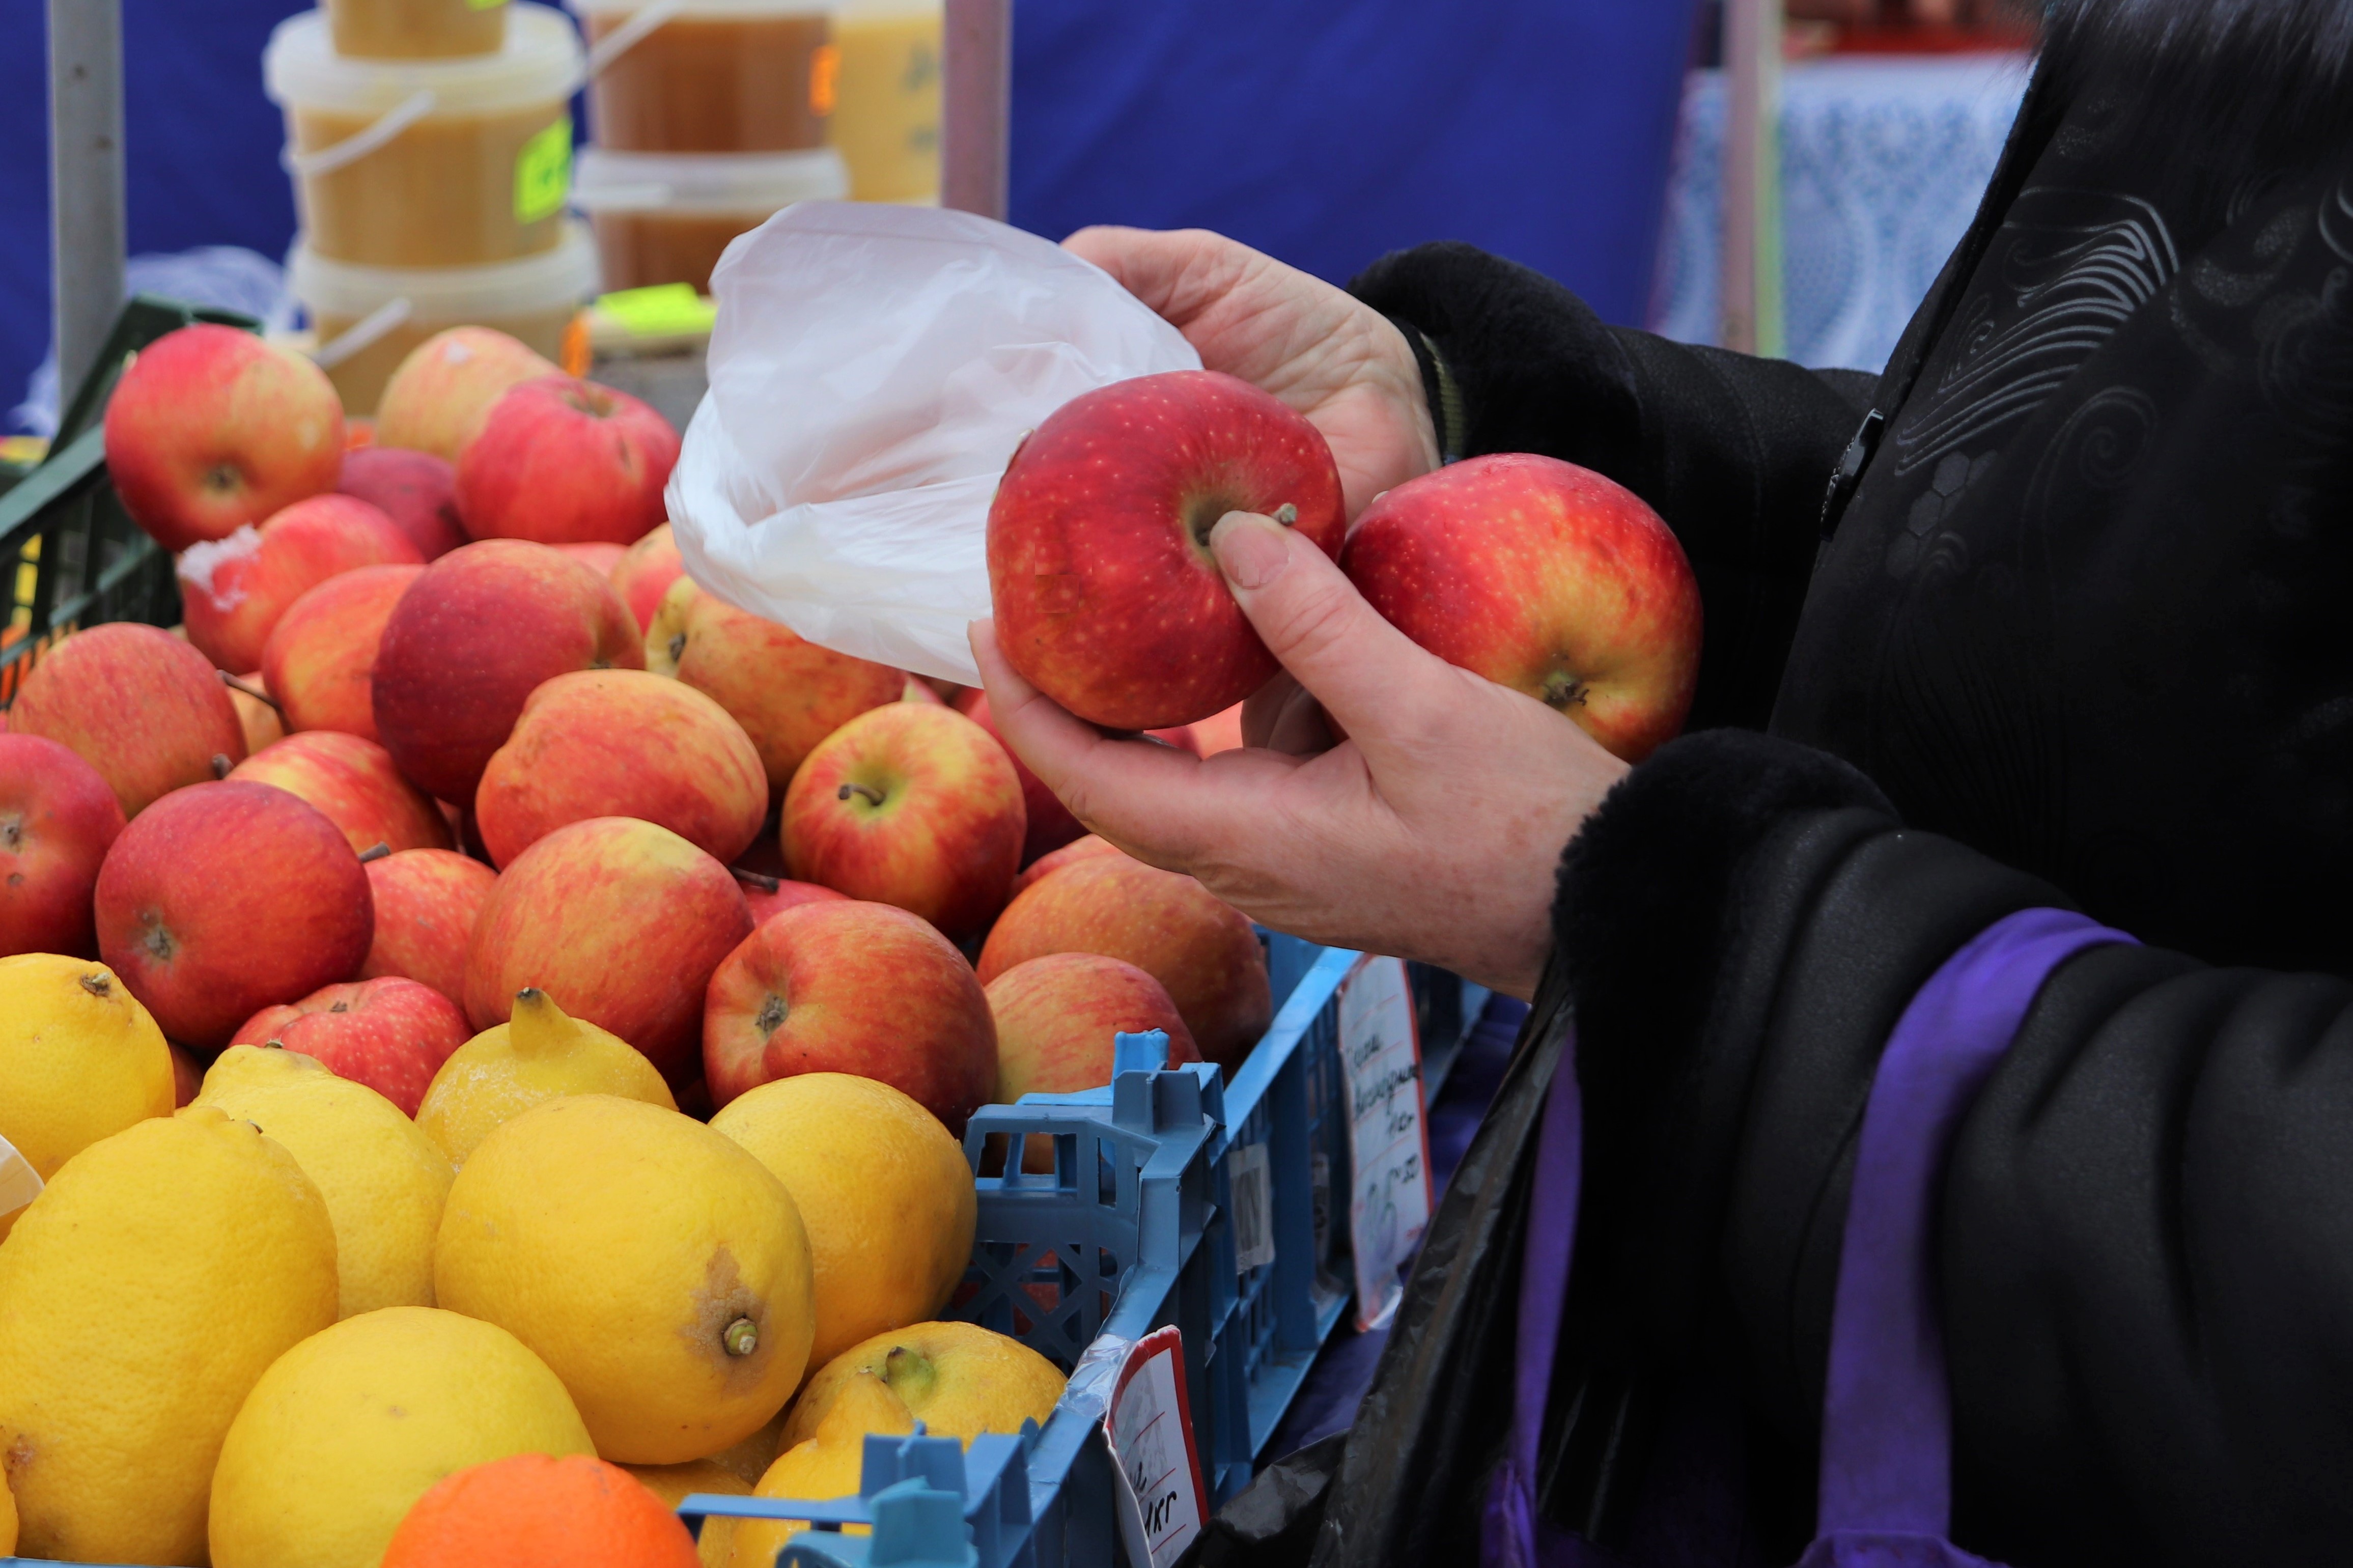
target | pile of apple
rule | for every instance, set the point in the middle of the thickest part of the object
(448, 720)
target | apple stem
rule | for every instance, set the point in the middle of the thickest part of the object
(1286, 514)
(375, 852)
(873, 796)
(759, 879)
(234, 684)
(221, 765)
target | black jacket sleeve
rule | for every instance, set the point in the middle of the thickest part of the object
(2146, 1240)
(1733, 452)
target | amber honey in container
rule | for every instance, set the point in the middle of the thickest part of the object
(366, 319)
(665, 218)
(710, 76)
(445, 163)
(886, 116)
(416, 29)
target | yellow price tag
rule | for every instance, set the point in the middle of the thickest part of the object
(662, 311)
(543, 172)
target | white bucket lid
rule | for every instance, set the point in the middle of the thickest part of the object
(447, 295)
(542, 63)
(754, 183)
(711, 7)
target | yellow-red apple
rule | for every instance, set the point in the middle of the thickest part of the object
(320, 660)
(1106, 597)
(852, 987)
(786, 894)
(438, 398)
(416, 489)
(472, 638)
(233, 590)
(601, 558)
(426, 904)
(624, 922)
(912, 806)
(1075, 850)
(1199, 947)
(566, 461)
(57, 819)
(1543, 577)
(354, 781)
(392, 1035)
(646, 570)
(622, 743)
(222, 898)
(786, 692)
(260, 718)
(1051, 823)
(140, 706)
(211, 430)
(1055, 1019)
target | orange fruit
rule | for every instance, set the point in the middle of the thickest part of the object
(529, 1510)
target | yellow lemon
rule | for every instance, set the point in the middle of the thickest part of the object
(675, 1483)
(7, 1520)
(884, 1189)
(958, 1379)
(657, 1267)
(384, 1181)
(350, 1427)
(79, 1060)
(540, 1055)
(827, 1464)
(144, 1293)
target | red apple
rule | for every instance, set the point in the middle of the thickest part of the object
(1543, 577)
(648, 568)
(223, 898)
(566, 462)
(786, 692)
(1075, 850)
(1107, 598)
(1199, 947)
(211, 428)
(233, 590)
(416, 489)
(1051, 823)
(916, 691)
(57, 817)
(1055, 1019)
(438, 397)
(392, 1035)
(142, 706)
(355, 783)
(603, 558)
(788, 895)
(909, 806)
(320, 660)
(259, 717)
(622, 743)
(858, 988)
(426, 904)
(472, 638)
(622, 922)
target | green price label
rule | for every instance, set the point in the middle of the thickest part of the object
(543, 172)
(484, 4)
(660, 310)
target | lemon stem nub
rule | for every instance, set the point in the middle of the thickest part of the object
(742, 1337)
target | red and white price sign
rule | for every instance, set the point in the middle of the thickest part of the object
(1157, 1473)
(1388, 1138)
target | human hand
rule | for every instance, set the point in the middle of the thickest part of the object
(1336, 361)
(1433, 831)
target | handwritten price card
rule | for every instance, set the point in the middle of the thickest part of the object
(1388, 1142)
(1150, 1429)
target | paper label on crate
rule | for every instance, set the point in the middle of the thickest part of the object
(1156, 1470)
(1253, 1204)
(1389, 1139)
(542, 178)
(19, 1183)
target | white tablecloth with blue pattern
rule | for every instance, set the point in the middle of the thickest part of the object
(1882, 161)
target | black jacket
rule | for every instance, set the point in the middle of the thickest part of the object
(2082, 636)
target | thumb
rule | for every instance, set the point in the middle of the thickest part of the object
(1370, 677)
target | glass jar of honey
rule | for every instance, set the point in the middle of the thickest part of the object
(710, 76)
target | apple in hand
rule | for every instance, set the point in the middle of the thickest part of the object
(392, 1035)
(623, 743)
(355, 783)
(1106, 597)
(1199, 948)
(564, 461)
(233, 590)
(1055, 1019)
(140, 706)
(469, 642)
(416, 489)
(852, 987)
(211, 428)
(787, 693)
(1543, 577)
(222, 898)
(57, 819)
(438, 397)
(623, 919)
(426, 904)
(646, 570)
(910, 805)
(320, 660)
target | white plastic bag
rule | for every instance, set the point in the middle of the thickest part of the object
(872, 370)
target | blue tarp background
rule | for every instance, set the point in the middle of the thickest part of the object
(1324, 133)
